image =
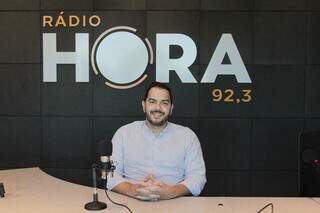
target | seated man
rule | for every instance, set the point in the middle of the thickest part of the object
(156, 159)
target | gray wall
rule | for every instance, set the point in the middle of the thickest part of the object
(250, 149)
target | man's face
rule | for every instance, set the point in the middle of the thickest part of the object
(157, 106)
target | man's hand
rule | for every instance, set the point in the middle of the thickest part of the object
(163, 190)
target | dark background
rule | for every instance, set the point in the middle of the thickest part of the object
(250, 149)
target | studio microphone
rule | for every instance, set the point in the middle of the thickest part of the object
(106, 164)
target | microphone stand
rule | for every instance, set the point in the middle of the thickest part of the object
(95, 204)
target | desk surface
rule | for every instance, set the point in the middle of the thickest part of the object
(32, 190)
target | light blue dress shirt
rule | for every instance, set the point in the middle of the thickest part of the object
(174, 156)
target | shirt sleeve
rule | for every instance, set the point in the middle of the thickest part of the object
(195, 171)
(117, 158)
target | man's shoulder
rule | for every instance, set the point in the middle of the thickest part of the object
(178, 127)
(131, 126)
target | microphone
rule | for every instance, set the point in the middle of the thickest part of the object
(106, 164)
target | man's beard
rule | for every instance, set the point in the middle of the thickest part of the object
(157, 123)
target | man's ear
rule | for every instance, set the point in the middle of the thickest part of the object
(143, 103)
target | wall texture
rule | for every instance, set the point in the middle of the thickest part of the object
(250, 149)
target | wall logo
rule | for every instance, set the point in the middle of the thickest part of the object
(122, 57)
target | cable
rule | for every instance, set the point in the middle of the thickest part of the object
(263, 208)
(119, 204)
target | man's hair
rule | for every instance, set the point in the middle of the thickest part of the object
(158, 85)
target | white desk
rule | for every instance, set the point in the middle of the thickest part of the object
(32, 190)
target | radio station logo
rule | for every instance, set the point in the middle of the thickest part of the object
(121, 57)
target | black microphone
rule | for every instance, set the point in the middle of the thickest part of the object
(106, 164)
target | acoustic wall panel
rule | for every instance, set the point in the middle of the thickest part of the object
(120, 5)
(227, 5)
(226, 143)
(275, 144)
(283, 5)
(278, 91)
(279, 38)
(20, 5)
(312, 91)
(270, 183)
(227, 183)
(67, 143)
(214, 24)
(313, 38)
(20, 44)
(173, 4)
(20, 89)
(67, 4)
(20, 142)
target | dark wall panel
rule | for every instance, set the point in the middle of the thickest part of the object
(213, 24)
(226, 143)
(20, 5)
(266, 183)
(275, 144)
(120, 5)
(67, 143)
(312, 91)
(228, 183)
(286, 5)
(20, 89)
(26, 40)
(67, 5)
(173, 4)
(227, 4)
(313, 38)
(20, 142)
(280, 38)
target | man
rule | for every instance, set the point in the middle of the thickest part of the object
(156, 159)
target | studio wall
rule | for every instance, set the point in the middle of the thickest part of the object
(250, 149)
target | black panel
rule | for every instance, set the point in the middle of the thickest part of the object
(117, 102)
(20, 89)
(227, 4)
(66, 4)
(227, 183)
(311, 124)
(280, 38)
(313, 5)
(120, 5)
(278, 91)
(67, 143)
(20, 142)
(275, 144)
(19, 37)
(313, 38)
(66, 97)
(226, 143)
(78, 176)
(19, 5)
(213, 24)
(280, 5)
(312, 92)
(134, 19)
(267, 183)
(173, 22)
(173, 4)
